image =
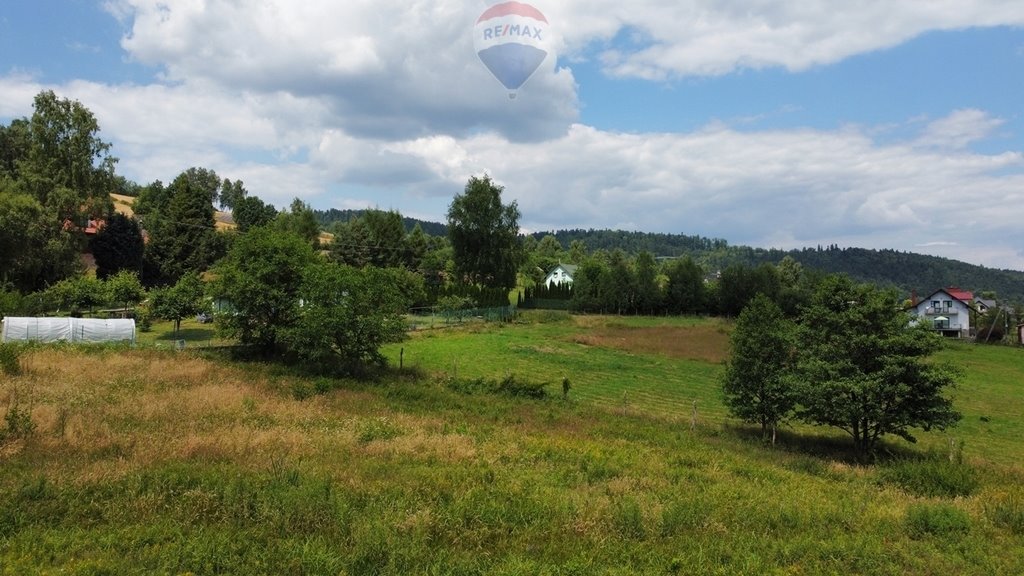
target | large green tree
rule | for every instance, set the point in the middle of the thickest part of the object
(183, 238)
(261, 277)
(387, 238)
(756, 382)
(484, 234)
(686, 292)
(30, 243)
(118, 246)
(740, 283)
(347, 314)
(232, 193)
(351, 243)
(250, 212)
(77, 295)
(55, 174)
(67, 167)
(300, 220)
(648, 293)
(864, 371)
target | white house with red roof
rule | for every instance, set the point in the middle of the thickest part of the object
(947, 310)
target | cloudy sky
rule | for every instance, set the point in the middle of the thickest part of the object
(771, 123)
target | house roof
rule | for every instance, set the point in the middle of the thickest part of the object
(955, 293)
(962, 295)
(569, 268)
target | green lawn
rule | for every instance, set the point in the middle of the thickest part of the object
(990, 394)
(991, 398)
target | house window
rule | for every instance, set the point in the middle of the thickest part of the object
(947, 304)
(936, 304)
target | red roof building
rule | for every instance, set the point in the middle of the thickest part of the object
(965, 296)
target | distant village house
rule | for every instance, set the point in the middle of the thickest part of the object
(947, 311)
(563, 273)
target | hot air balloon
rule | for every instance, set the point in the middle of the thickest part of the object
(511, 39)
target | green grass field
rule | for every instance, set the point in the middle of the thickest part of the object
(628, 372)
(152, 461)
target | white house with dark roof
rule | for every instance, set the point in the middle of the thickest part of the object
(947, 310)
(559, 274)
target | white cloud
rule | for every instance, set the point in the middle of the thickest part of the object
(782, 188)
(396, 69)
(666, 38)
(960, 129)
(388, 68)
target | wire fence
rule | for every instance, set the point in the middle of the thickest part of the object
(437, 317)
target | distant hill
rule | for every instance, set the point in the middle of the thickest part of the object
(327, 218)
(905, 271)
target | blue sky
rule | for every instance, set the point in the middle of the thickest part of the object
(775, 124)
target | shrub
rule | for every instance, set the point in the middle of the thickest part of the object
(1007, 511)
(507, 386)
(936, 520)
(932, 477)
(10, 359)
(512, 387)
(18, 422)
(144, 317)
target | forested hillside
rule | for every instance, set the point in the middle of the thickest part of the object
(327, 218)
(903, 270)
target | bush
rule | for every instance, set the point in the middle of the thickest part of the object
(1007, 511)
(507, 386)
(932, 477)
(936, 520)
(19, 423)
(144, 317)
(10, 363)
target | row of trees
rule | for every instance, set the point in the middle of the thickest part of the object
(848, 361)
(612, 283)
(903, 270)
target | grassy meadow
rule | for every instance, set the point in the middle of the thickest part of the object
(152, 461)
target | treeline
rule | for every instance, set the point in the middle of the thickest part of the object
(658, 244)
(909, 272)
(906, 271)
(612, 283)
(328, 219)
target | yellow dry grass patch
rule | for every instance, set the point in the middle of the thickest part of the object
(123, 204)
(102, 415)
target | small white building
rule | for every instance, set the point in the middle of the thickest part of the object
(562, 273)
(948, 311)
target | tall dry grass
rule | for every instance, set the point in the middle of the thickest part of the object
(101, 416)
